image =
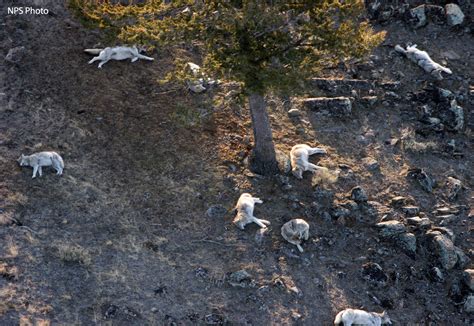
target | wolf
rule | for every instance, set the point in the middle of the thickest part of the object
(116, 53)
(38, 160)
(423, 59)
(295, 231)
(360, 317)
(299, 156)
(244, 208)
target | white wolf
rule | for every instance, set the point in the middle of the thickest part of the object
(38, 160)
(299, 156)
(295, 231)
(116, 53)
(423, 59)
(360, 317)
(244, 207)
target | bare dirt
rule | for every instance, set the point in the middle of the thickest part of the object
(122, 237)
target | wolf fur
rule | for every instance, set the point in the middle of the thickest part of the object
(38, 160)
(244, 207)
(423, 59)
(299, 156)
(360, 317)
(295, 231)
(116, 53)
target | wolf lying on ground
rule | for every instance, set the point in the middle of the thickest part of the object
(244, 207)
(423, 59)
(38, 160)
(116, 53)
(360, 317)
(295, 231)
(299, 156)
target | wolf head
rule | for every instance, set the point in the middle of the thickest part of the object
(385, 318)
(22, 160)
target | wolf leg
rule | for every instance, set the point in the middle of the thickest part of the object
(35, 169)
(300, 248)
(102, 63)
(94, 59)
(141, 56)
(264, 221)
(258, 222)
(134, 59)
(257, 200)
(40, 170)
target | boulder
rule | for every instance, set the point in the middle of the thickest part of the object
(391, 228)
(359, 195)
(468, 278)
(242, 279)
(407, 241)
(454, 14)
(445, 250)
(469, 304)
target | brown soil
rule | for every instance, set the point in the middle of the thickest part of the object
(122, 236)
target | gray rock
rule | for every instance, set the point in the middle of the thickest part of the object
(419, 222)
(339, 106)
(454, 14)
(419, 15)
(391, 228)
(368, 100)
(373, 273)
(359, 195)
(371, 164)
(241, 279)
(398, 201)
(468, 278)
(458, 112)
(425, 181)
(216, 211)
(469, 304)
(436, 274)
(407, 241)
(454, 186)
(15, 55)
(284, 163)
(411, 210)
(463, 259)
(445, 250)
(294, 113)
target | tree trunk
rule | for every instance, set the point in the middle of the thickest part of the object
(262, 159)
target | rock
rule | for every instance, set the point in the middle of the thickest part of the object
(454, 14)
(450, 55)
(241, 279)
(469, 304)
(373, 273)
(284, 163)
(341, 86)
(216, 211)
(445, 250)
(422, 223)
(370, 163)
(425, 181)
(407, 241)
(15, 55)
(358, 194)
(463, 259)
(458, 112)
(419, 16)
(339, 106)
(454, 186)
(391, 228)
(368, 100)
(468, 277)
(436, 274)
(294, 113)
(323, 198)
(411, 210)
(398, 201)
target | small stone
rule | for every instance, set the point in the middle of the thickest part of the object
(371, 164)
(411, 210)
(436, 275)
(451, 55)
(216, 211)
(294, 113)
(369, 100)
(398, 201)
(296, 315)
(15, 55)
(468, 277)
(425, 181)
(391, 228)
(420, 222)
(373, 273)
(454, 186)
(242, 279)
(463, 259)
(419, 15)
(454, 14)
(359, 195)
(469, 304)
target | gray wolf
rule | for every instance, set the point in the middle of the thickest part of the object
(295, 231)
(360, 317)
(299, 156)
(244, 207)
(38, 160)
(116, 53)
(423, 59)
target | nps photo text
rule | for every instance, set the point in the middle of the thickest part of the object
(27, 11)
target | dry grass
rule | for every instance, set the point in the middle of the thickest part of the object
(73, 253)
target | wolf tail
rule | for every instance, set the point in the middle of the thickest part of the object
(338, 319)
(446, 70)
(316, 150)
(93, 51)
